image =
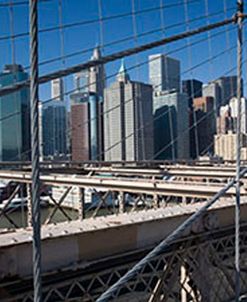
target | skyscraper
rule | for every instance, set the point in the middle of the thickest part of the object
(54, 130)
(233, 104)
(128, 128)
(164, 73)
(54, 123)
(205, 124)
(93, 79)
(86, 127)
(57, 89)
(225, 121)
(213, 90)
(170, 109)
(15, 130)
(193, 88)
(228, 88)
(225, 146)
(222, 90)
(81, 81)
(226, 137)
(171, 126)
(97, 75)
(86, 112)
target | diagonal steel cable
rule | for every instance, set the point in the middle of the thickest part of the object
(164, 245)
(118, 55)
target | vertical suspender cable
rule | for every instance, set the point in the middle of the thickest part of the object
(194, 132)
(140, 144)
(34, 96)
(167, 84)
(58, 145)
(238, 143)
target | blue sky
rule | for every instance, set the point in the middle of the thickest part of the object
(87, 36)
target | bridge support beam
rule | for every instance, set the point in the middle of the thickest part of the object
(29, 205)
(186, 289)
(58, 206)
(81, 203)
(121, 202)
(156, 201)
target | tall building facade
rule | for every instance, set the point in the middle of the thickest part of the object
(57, 89)
(170, 108)
(212, 90)
(205, 124)
(97, 75)
(54, 130)
(225, 146)
(222, 90)
(228, 88)
(53, 124)
(171, 124)
(93, 79)
(128, 129)
(15, 130)
(164, 73)
(86, 127)
(233, 104)
(193, 88)
(227, 119)
(226, 137)
(87, 123)
(81, 82)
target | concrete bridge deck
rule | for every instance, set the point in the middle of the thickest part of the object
(70, 244)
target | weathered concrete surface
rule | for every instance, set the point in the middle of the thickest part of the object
(68, 244)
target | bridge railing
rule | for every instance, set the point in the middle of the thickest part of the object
(69, 197)
(115, 290)
(197, 267)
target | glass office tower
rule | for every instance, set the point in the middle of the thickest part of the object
(14, 117)
(54, 136)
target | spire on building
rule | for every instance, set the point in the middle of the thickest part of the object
(96, 53)
(123, 76)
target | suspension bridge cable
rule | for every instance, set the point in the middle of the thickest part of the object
(207, 114)
(162, 247)
(228, 29)
(240, 10)
(92, 21)
(162, 20)
(126, 39)
(228, 38)
(115, 74)
(113, 108)
(116, 56)
(205, 150)
(192, 82)
(161, 115)
(175, 139)
(19, 3)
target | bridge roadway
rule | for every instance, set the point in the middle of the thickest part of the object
(130, 185)
(141, 169)
(78, 243)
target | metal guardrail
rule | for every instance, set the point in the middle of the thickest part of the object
(195, 268)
